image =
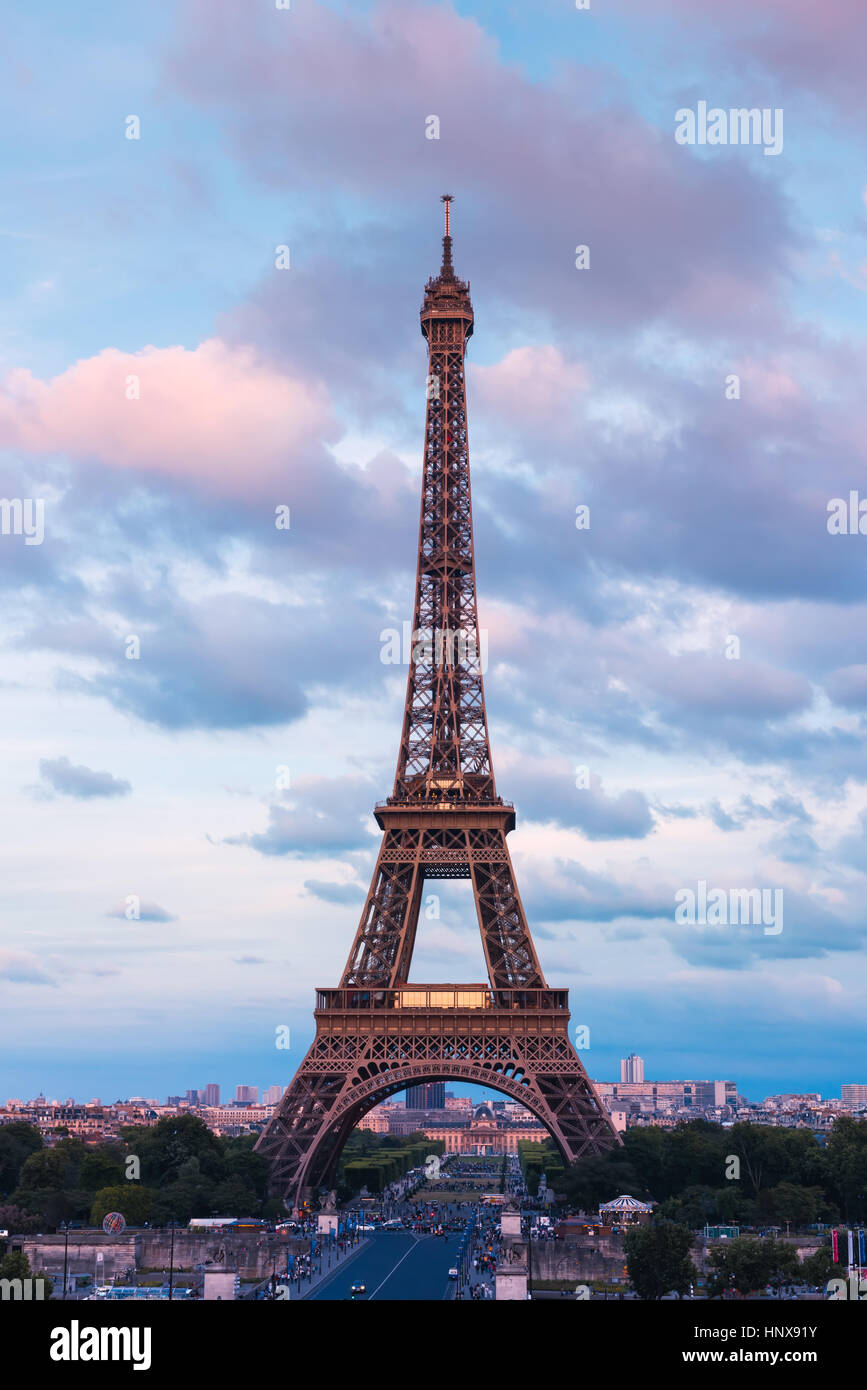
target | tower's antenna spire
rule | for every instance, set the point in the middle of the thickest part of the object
(447, 268)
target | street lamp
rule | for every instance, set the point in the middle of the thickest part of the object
(172, 1261)
(64, 1226)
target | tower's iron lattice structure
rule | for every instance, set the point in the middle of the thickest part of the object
(375, 1033)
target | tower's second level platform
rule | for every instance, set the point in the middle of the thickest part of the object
(410, 1000)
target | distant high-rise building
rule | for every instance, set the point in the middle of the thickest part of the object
(192, 1097)
(246, 1095)
(854, 1093)
(272, 1095)
(632, 1068)
(429, 1096)
(212, 1093)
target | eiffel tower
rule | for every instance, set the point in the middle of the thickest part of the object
(376, 1033)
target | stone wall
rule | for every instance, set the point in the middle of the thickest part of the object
(252, 1253)
(584, 1258)
(581, 1258)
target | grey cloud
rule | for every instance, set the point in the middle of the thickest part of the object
(80, 781)
(794, 846)
(722, 819)
(848, 687)
(599, 816)
(341, 893)
(319, 818)
(572, 893)
(20, 967)
(810, 932)
(147, 912)
(783, 808)
(852, 848)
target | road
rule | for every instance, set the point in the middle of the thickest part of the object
(395, 1266)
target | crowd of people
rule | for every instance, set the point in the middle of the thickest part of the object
(485, 1251)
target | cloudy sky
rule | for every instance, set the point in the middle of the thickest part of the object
(169, 377)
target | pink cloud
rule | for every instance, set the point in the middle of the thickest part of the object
(817, 47)
(213, 415)
(537, 169)
(535, 383)
(770, 385)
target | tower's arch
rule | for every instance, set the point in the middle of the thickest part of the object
(325, 1154)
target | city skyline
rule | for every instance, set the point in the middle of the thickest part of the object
(477, 1093)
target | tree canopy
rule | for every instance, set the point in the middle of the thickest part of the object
(746, 1174)
(658, 1259)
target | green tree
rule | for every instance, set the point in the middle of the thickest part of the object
(133, 1201)
(50, 1206)
(735, 1206)
(16, 1265)
(190, 1194)
(846, 1154)
(748, 1263)
(598, 1178)
(770, 1154)
(45, 1169)
(643, 1149)
(658, 1259)
(17, 1221)
(235, 1198)
(692, 1154)
(167, 1146)
(819, 1267)
(60, 1168)
(790, 1202)
(101, 1167)
(17, 1142)
(695, 1207)
(247, 1167)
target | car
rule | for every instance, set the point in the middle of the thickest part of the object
(365, 1228)
(357, 1290)
(453, 1273)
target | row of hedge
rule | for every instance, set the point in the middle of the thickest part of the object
(385, 1165)
(536, 1159)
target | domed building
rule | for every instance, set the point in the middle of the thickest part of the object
(486, 1133)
